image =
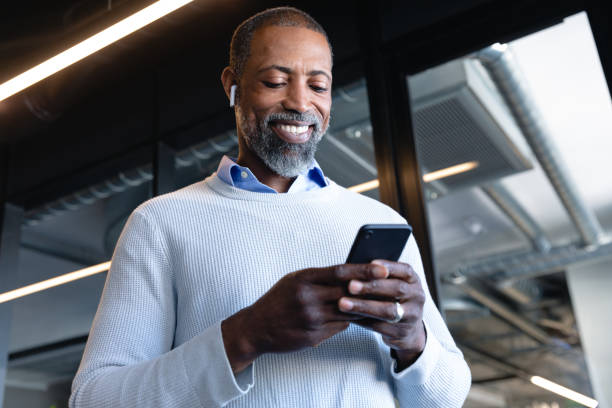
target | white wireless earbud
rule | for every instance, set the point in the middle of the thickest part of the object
(232, 95)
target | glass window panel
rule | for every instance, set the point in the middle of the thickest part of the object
(502, 218)
(346, 152)
(202, 159)
(49, 327)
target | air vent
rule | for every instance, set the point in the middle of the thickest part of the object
(458, 117)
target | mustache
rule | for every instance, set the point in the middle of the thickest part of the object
(307, 117)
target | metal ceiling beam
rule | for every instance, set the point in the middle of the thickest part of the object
(526, 265)
(472, 289)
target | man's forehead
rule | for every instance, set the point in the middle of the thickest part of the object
(290, 46)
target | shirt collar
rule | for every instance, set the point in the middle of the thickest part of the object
(241, 177)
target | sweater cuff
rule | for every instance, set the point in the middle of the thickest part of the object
(209, 371)
(419, 371)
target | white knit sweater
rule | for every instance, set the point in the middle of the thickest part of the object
(187, 260)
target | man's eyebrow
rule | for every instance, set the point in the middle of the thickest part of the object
(287, 70)
(319, 72)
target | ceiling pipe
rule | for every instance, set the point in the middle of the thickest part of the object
(495, 362)
(507, 76)
(523, 292)
(470, 287)
(508, 204)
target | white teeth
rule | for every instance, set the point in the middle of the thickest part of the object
(294, 129)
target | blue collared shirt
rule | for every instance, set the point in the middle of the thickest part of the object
(241, 177)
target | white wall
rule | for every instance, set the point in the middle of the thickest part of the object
(590, 286)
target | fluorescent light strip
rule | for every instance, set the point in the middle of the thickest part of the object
(435, 175)
(92, 44)
(367, 186)
(58, 280)
(564, 392)
(450, 171)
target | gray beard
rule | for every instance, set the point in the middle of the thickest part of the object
(285, 159)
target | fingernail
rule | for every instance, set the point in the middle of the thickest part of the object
(345, 304)
(355, 286)
(380, 270)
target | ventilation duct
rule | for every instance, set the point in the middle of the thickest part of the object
(501, 65)
(458, 117)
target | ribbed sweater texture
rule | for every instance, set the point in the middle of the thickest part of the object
(187, 260)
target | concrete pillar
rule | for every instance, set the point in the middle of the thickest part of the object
(10, 237)
(590, 286)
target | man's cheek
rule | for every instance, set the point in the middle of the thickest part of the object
(325, 125)
(247, 121)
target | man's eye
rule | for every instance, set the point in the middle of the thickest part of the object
(318, 89)
(272, 84)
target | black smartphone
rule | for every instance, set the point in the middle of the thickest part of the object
(379, 241)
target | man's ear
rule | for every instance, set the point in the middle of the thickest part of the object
(228, 79)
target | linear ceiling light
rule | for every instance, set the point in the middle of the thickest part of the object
(367, 186)
(58, 280)
(434, 175)
(89, 46)
(450, 171)
(564, 392)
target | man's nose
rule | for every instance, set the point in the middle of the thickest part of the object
(297, 98)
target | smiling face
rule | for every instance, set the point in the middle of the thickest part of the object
(284, 98)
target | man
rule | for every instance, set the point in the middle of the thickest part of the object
(222, 293)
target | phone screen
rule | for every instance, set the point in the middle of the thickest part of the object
(379, 241)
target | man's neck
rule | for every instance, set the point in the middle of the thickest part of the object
(265, 176)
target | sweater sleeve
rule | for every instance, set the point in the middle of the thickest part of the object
(440, 376)
(129, 359)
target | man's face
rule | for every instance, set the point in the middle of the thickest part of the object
(284, 101)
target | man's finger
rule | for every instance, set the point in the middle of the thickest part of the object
(308, 294)
(328, 293)
(398, 270)
(314, 317)
(344, 273)
(391, 330)
(336, 315)
(395, 289)
(368, 308)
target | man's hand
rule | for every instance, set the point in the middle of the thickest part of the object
(300, 310)
(375, 300)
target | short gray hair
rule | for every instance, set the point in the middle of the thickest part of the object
(240, 47)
